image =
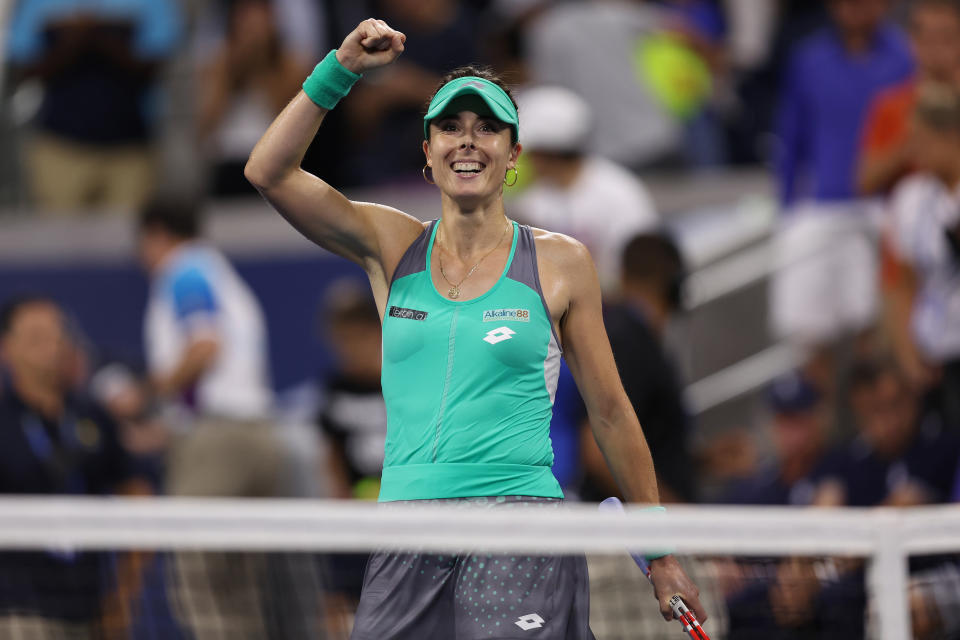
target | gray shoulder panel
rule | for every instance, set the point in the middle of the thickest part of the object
(414, 260)
(524, 269)
(524, 266)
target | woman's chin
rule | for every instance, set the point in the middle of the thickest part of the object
(471, 191)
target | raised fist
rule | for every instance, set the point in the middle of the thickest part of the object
(372, 44)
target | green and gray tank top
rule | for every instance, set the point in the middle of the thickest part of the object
(469, 385)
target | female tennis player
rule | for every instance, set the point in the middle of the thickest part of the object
(475, 310)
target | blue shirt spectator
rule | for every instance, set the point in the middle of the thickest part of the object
(901, 455)
(799, 432)
(51, 442)
(823, 105)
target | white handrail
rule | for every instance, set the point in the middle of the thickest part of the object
(742, 377)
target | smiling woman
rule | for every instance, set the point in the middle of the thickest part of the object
(475, 308)
(471, 103)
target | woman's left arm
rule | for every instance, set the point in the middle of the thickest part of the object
(612, 418)
(587, 351)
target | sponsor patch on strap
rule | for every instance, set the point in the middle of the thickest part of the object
(406, 314)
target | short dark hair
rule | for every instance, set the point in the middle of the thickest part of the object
(13, 306)
(178, 217)
(479, 71)
(655, 257)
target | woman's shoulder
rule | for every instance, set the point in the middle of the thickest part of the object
(560, 248)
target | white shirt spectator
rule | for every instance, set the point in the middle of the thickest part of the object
(605, 207)
(590, 47)
(197, 293)
(922, 208)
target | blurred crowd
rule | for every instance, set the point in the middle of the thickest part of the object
(852, 105)
(132, 94)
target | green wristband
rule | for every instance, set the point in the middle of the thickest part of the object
(329, 82)
(662, 552)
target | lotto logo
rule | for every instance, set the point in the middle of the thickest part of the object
(499, 335)
(530, 621)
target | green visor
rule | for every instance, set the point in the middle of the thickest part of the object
(471, 93)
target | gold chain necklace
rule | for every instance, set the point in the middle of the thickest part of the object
(454, 290)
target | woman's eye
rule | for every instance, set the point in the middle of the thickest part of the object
(448, 127)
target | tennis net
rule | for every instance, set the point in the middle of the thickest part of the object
(165, 568)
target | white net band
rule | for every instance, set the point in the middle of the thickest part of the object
(885, 537)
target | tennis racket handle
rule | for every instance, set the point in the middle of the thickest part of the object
(690, 623)
(680, 611)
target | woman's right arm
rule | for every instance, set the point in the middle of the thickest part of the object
(368, 234)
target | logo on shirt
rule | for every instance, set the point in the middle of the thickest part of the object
(530, 621)
(498, 315)
(407, 314)
(499, 335)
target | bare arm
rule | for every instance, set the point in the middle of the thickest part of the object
(196, 360)
(368, 234)
(587, 350)
(615, 425)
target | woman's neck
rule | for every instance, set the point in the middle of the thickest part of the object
(466, 232)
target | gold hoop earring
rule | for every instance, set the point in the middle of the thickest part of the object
(516, 176)
(424, 172)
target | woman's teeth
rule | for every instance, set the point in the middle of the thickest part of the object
(468, 167)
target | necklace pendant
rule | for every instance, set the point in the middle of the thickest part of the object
(454, 292)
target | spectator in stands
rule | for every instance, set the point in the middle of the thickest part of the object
(800, 433)
(900, 457)
(934, 602)
(694, 86)
(825, 285)
(935, 593)
(207, 359)
(652, 272)
(574, 191)
(53, 440)
(353, 416)
(244, 86)
(791, 597)
(204, 332)
(570, 41)
(889, 148)
(300, 24)
(353, 420)
(98, 64)
(923, 238)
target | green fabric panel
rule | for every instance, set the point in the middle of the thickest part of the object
(466, 393)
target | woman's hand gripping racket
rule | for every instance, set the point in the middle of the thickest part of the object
(680, 610)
